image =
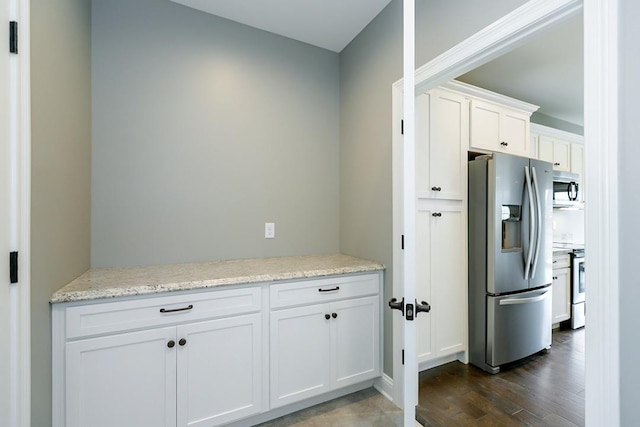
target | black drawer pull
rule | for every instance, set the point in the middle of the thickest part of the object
(173, 310)
(337, 288)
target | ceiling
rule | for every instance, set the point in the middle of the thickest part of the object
(330, 24)
(547, 71)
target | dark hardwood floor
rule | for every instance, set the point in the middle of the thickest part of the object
(543, 390)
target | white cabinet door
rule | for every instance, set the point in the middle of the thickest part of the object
(555, 151)
(442, 140)
(441, 260)
(485, 126)
(562, 155)
(495, 128)
(219, 370)
(126, 380)
(449, 280)
(515, 133)
(355, 340)
(561, 295)
(300, 365)
(577, 159)
(545, 148)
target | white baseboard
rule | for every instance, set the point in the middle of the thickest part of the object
(384, 385)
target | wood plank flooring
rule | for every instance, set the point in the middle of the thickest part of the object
(543, 390)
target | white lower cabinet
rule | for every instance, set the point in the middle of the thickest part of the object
(199, 359)
(561, 288)
(219, 375)
(122, 380)
(317, 348)
(199, 374)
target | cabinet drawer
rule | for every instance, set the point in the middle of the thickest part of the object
(94, 319)
(561, 260)
(322, 290)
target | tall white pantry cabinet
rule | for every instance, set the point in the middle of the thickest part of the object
(451, 121)
(442, 135)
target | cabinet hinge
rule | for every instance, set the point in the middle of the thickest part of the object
(13, 37)
(402, 243)
(401, 127)
(13, 267)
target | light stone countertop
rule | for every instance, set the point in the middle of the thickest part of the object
(100, 283)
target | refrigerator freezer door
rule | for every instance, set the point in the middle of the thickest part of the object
(518, 325)
(508, 224)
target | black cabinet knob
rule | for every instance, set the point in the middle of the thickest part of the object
(334, 315)
(326, 316)
(182, 341)
(437, 214)
(504, 143)
(556, 164)
(436, 188)
(171, 344)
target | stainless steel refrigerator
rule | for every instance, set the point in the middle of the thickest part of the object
(510, 256)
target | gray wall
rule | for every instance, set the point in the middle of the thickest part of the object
(60, 171)
(629, 202)
(368, 67)
(203, 130)
(543, 119)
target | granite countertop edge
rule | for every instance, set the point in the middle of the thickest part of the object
(109, 283)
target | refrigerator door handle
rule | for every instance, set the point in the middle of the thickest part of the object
(515, 301)
(527, 266)
(536, 188)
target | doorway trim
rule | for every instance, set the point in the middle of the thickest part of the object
(601, 132)
(19, 294)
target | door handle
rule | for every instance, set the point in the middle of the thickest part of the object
(422, 307)
(394, 304)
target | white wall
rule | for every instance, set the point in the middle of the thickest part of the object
(629, 204)
(568, 226)
(203, 130)
(369, 65)
(60, 171)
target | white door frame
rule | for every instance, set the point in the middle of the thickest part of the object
(20, 142)
(601, 133)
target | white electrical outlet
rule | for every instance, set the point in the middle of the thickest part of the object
(269, 230)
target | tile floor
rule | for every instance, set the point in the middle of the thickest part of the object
(366, 408)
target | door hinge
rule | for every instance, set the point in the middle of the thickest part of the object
(13, 267)
(402, 242)
(401, 127)
(13, 37)
(403, 356)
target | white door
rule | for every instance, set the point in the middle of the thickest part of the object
(219, 370)
(5, 206)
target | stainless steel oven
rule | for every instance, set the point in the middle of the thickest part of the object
(577, 289)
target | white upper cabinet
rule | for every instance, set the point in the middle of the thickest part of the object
(442, 140)
(497, 123)
(555, 151)
(499, 129)
(564, 149)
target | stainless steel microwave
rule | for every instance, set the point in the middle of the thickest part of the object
(566, 188)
